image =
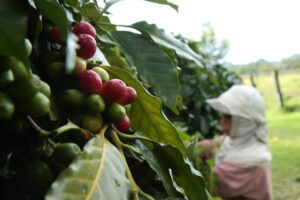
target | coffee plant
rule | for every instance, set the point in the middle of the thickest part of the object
(81, 105)
(201, 83)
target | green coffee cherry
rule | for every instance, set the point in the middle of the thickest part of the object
(45, 89)
(6, 77)
(73, 98)
(7, 107)
(115, 112)
(37, 106)
(66, 152)
(38, 176)
(95, 103)
(55, 70)
(28, 46)
(18, 68)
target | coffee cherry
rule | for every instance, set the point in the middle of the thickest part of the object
(45, 89)
(115, 112)
(92, 123)
(55, 36)
(55, 71)
(37, 106)
(66, 152)
(102, 73)
(84, 28)
(80, 65)
(123, 125)
(7, 107)
(95, 103)
(73, 98)
(129, 96)
(113, 90)
(89, 82)
(87, 46)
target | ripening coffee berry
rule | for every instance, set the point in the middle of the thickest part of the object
(89, 82)
(55, 35)
(92, 123)
(129, 96)
(87, 46)
(123, 125)
(102, 73)
(80, 65)
(113, 90)
(84, 28)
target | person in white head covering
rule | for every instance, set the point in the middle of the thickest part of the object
(242, 164)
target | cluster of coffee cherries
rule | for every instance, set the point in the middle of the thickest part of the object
(86, 34)
(110, 97)
(99, 95)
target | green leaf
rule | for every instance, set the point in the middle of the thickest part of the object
(108, 5)
(71, 52)
(153, 64)
(168, 41)
(165, 2)
(99, 56)
(90, 11)
(168, 162)
(56, 13)
(146, 115)
(99, 172)
(13, 29)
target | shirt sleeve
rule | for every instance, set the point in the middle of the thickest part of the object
(209, 146)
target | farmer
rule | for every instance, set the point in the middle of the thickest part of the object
(242, 162)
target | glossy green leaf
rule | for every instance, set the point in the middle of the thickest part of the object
(99, 172)
(153, 64)
(146, 115)
(56, 13)
(165, 2)
(168, 41)
(168, 162)
(13, 29)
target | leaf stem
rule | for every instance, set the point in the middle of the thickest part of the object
(103, 129)
(41, 131)
(135, 190)
(133, 137)
(145, 195)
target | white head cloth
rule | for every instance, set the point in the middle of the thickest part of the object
(248, 141)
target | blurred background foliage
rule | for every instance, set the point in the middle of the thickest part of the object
(198, 84)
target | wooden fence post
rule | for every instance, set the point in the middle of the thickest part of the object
(278, 91)
(252, 79)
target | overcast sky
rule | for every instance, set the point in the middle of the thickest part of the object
(255, 29)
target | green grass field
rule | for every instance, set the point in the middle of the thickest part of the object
(284, 132)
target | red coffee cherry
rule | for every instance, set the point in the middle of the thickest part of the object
(55, 35)
(123, 125)
(113, 90)
(129, 96)
(84, 28)
(87, 46)
(89, 82)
